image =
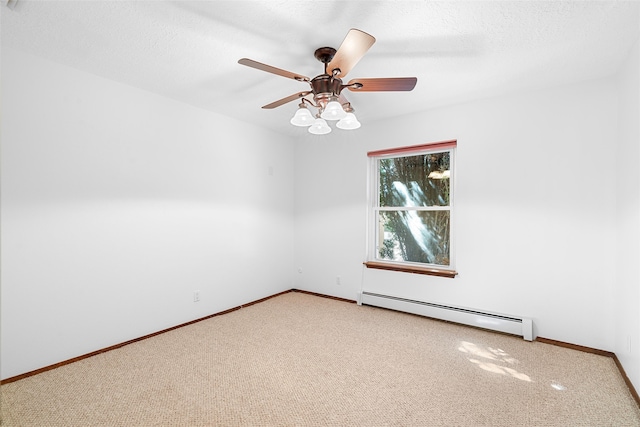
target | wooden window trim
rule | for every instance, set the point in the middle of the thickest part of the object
(442, 145)
(411, 269)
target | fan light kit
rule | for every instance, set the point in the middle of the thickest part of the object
(326, 88)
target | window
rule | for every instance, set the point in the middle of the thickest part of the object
(412, 208)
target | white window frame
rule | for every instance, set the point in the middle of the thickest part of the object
(373, 232)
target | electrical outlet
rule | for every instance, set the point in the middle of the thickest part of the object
(338, 281)
(196, 296)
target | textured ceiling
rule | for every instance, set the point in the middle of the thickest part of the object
(459, 51)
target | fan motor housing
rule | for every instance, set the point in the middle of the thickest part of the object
(324, 86)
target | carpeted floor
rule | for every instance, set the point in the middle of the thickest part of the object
(303, 360)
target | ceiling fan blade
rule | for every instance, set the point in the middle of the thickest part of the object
(352, 49)
(383, 84)
(269, 69)
(286, 100)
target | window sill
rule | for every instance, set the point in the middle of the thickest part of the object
(411, 269)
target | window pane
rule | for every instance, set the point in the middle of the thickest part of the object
(421, 180)
(414, 236)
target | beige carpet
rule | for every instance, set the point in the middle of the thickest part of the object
(303, 360)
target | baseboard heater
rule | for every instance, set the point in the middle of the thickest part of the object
(496, 322)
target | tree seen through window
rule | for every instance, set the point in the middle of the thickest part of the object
(414, 208)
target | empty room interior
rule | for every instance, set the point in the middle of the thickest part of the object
(151, 175)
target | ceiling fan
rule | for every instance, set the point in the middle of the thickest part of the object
(326, 88)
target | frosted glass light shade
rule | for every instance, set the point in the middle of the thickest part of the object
(333, 111)
(302, 117)
(349, 122)
(319, 127)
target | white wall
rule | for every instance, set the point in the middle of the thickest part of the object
(535, 209)
(627, 297)
(117, 204)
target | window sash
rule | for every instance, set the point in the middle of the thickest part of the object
(412, 208)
